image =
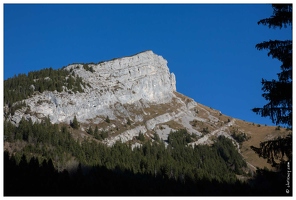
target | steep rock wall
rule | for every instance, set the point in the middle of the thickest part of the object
(144, 76)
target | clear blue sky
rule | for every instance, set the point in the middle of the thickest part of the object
(209, 47)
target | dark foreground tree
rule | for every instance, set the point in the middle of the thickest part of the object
(278, 93)
(275, 151)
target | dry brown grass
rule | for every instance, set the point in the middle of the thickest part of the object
(258, 134)
(203, 127)
(174, 125)
(155, 110)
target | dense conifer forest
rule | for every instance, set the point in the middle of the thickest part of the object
(177, 161)
(23, 86)
(41, 167)
(45, 158)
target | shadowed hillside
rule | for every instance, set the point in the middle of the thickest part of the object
(42, 179)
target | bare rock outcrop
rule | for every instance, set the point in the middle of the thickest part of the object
(139, 89)
(144, 76)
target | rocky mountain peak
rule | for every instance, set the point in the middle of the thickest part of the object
(142, 77)
(137, 94)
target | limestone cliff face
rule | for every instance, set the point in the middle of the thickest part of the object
(139, 88)
(143, 77)
(138, 94)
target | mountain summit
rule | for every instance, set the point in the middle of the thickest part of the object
(126, 98)
(143, 77)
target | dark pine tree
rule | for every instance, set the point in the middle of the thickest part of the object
(278, 93)
(75, 123)
(90, 131)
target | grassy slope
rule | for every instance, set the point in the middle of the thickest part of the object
(258, 133)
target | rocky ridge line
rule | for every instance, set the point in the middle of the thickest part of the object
(144, 76)
(138, 87)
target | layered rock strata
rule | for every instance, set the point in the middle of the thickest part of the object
(144, 76)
